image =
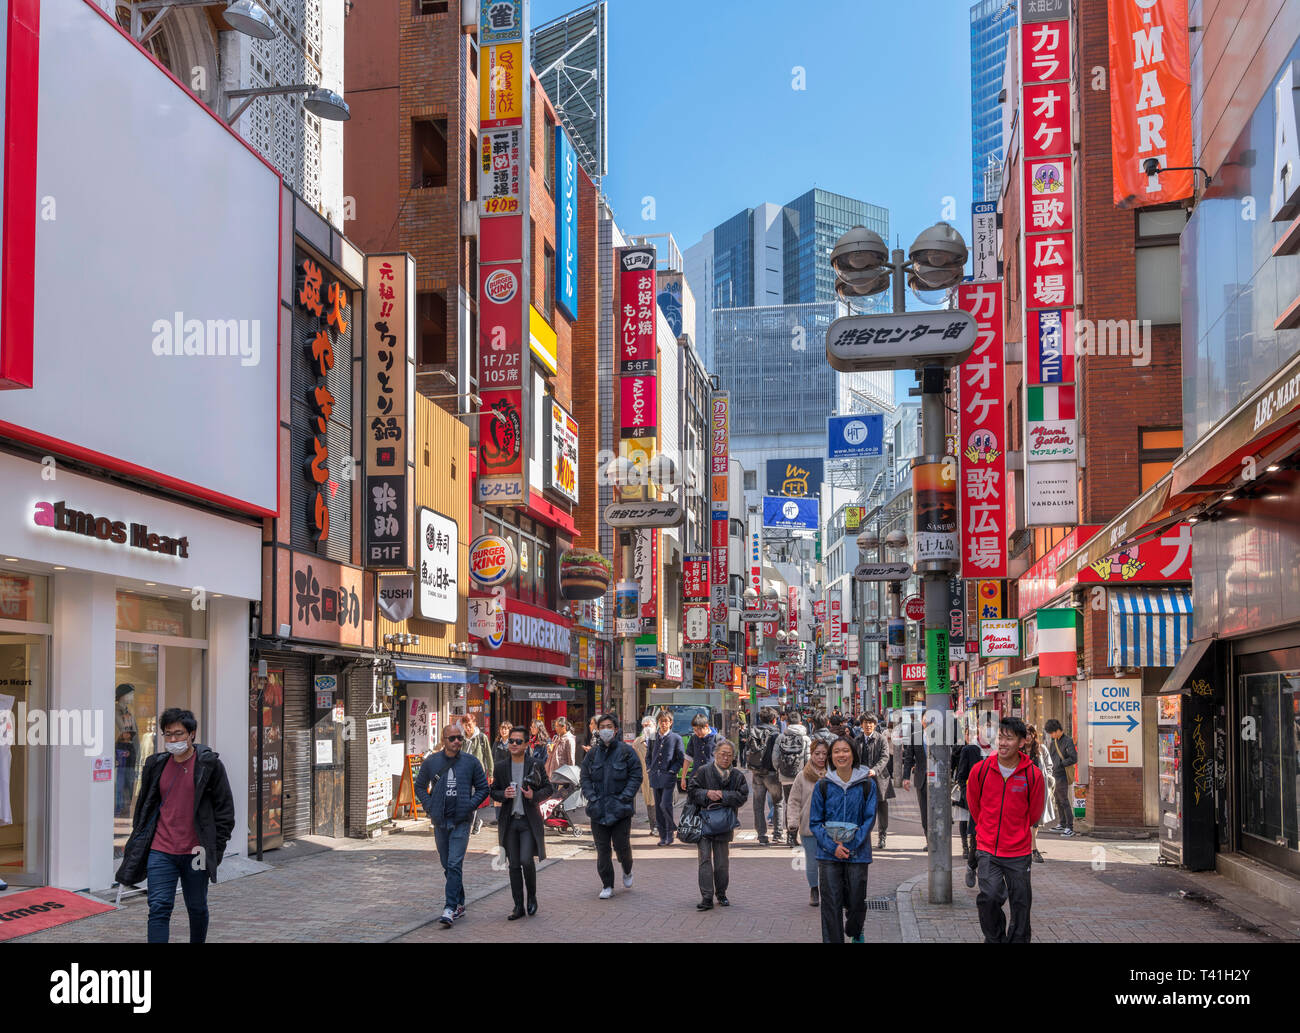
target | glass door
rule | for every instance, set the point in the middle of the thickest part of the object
(24, 672)
(135, 728)
(1270, 743)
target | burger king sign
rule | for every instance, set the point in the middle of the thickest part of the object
(491, 560)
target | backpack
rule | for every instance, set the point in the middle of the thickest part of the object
(788, 755)
(758, 757)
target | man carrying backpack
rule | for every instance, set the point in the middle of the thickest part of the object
(767, 784)
(789, 757)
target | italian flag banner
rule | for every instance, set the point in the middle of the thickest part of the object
(1051, 402)
(1056, 641)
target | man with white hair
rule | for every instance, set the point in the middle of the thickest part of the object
(450, 787)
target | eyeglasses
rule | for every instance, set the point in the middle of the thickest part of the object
(515, 742)
(175, 736)
(455, 738)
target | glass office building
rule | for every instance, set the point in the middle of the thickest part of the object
(811, 224)
(991, 23)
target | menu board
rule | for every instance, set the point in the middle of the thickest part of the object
(379, 780)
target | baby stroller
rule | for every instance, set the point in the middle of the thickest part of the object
(566, 799)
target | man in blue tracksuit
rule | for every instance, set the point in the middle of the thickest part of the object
(450, 787)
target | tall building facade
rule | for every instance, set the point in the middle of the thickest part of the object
(991, 22)
(773, 255)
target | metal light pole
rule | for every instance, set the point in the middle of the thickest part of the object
(935, 262)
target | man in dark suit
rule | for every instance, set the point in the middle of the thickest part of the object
(667, 755)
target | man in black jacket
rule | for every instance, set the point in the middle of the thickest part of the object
(520, 784)
(611, 776)
(767, 783)
(1064, 756)
(183, 821)
(878, 755)
(914, 760)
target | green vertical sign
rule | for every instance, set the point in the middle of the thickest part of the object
(898, 695)
(936, 662)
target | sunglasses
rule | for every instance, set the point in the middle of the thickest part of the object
(455, 738)
(515, 742)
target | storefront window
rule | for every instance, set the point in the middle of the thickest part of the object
(24, 673)
(135, 729)
(1270, 803)
(160, 615)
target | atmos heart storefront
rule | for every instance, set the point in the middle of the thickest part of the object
(115, 604)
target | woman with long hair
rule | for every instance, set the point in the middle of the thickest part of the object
(539, 743)
(799, 809)
(842, 811)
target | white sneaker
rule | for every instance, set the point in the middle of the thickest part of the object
(1067, 833)
(447, 917)
(627, 881)
(607, 892)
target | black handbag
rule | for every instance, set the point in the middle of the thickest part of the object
(718, 821)
(690, 827)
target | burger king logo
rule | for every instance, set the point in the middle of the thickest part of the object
(500, 286)
(491, 559)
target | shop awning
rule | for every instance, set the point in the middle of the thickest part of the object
(1147, 516)
(1215, 461)
(1149, 627)
(537, 690)
(1025, 679)
(435, 673)
(1187, 668)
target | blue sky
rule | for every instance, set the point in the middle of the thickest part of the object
(704, 119)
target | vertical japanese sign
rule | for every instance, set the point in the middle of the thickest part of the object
(637, 365)
(566, 224)
(315, 300)
(385, 428)
(836, 626)
(438, 553)
(503, 289)
(1150, 100)
(982, 436)
(696, 599)
(1050, 478)
(645, 572)
(719, 508)
(984, 240)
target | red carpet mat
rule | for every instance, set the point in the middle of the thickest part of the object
(34, 910)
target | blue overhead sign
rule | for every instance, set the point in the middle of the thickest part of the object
(798, 514)
(566, 224)
(850, 437)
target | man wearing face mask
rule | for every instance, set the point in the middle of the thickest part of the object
(611, 775)
(183, 821)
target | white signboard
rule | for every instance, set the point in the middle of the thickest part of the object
(984, 240)
(437, 551)
(487, 618)
(999, 638)
(1051, 494)
(695, 623)
(397, 596)
(379, 782)
(418, 726)
(179, 385)
(1052, 439)
(1115, 722)
(562, 457)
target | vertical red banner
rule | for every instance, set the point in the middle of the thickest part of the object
(982, 437)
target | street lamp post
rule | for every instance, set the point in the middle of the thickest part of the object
(864, 266)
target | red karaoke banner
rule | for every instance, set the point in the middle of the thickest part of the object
(1047, 120)
(1150, 100)
(982, 437)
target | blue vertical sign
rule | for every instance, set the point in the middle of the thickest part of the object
(566, 224)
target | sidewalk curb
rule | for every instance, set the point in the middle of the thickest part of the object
(906, 915)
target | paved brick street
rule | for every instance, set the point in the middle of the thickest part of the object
(391, 890)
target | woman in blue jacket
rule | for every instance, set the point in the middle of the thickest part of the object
(842, 813)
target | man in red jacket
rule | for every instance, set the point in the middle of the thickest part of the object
(1005, 793)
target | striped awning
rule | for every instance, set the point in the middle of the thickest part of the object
(1149, 627)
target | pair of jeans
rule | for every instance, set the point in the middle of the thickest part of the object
(521, 850)
(810, 860)
(843, 889)
(452, 842)
(1000, 879)
(610, 839)
(165, 870)
(715, 865)
(767, 787)
(1064, 805)
(664, 811)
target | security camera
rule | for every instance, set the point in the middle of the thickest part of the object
(1151, 166)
